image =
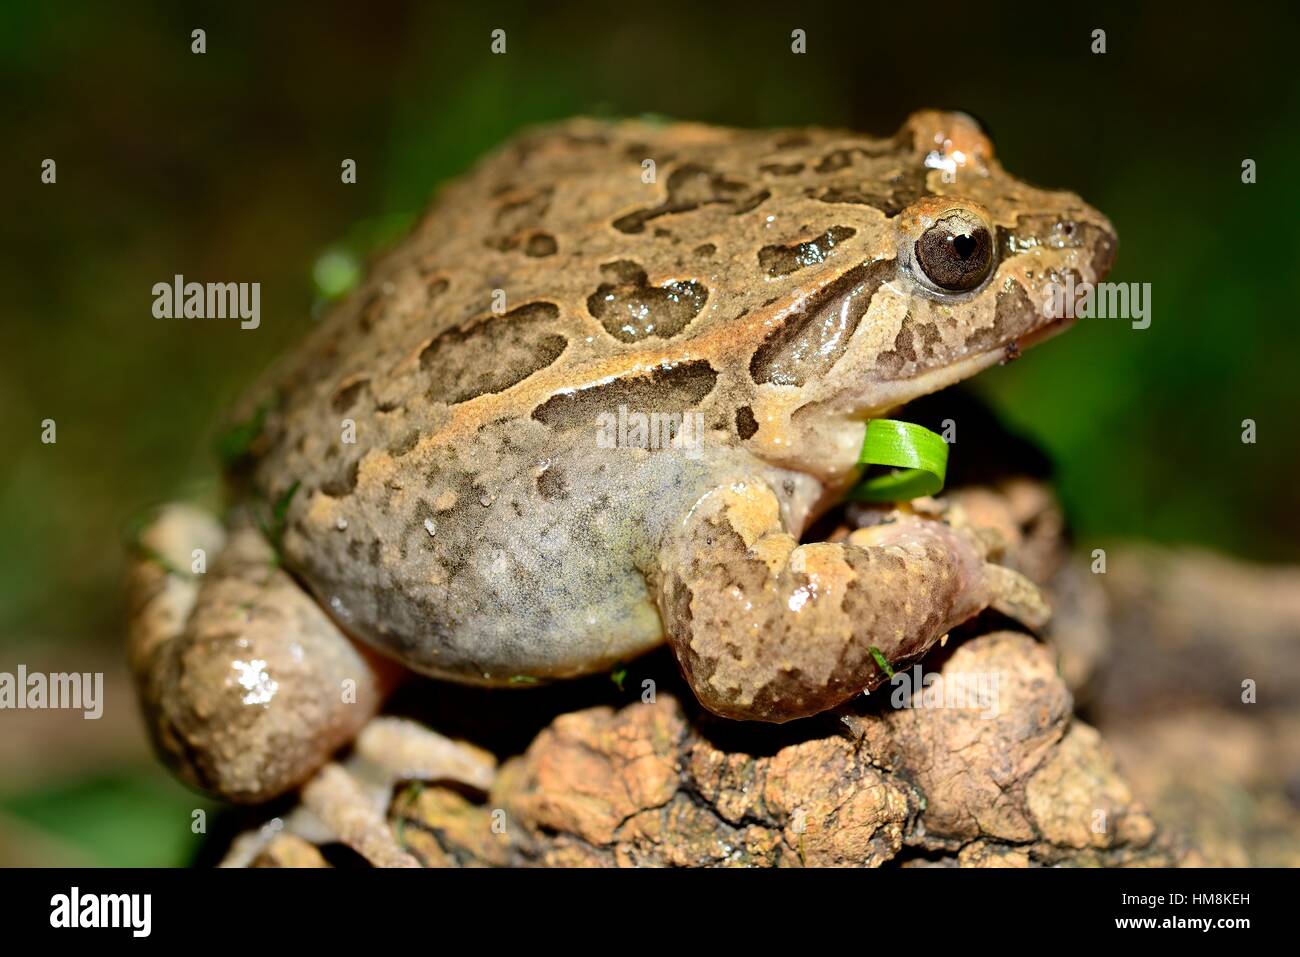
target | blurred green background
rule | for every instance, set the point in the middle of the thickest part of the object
(226, 165)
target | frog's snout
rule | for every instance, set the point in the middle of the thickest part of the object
(1104, 245)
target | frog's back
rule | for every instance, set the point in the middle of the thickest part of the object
(555, 264)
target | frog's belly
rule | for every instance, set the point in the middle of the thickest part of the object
(541, 593)
(491, 567)
(504, 627)
(499, 624)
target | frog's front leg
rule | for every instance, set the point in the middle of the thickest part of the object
(248, 686)
(768, 629)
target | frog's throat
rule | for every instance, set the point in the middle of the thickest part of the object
(887, 396)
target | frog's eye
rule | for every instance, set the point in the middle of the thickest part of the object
(956, 253)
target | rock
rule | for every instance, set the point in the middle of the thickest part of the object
(1014, 781)
(288, 850)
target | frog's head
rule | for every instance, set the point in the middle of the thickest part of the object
(952, 266)
(983, 264)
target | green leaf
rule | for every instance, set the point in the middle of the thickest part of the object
(919, 458)
(335, 272)
(618, 676)
(882, 661)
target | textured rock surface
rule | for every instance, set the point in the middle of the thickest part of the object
(999, 777)
(1200, 697)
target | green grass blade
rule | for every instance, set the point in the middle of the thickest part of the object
(919, 458)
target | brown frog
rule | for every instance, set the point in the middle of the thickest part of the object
(592, 403)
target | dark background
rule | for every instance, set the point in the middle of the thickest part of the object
(226, 166)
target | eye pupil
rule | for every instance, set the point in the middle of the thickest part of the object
(955, 255)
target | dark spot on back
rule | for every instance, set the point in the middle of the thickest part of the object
(835, 160)
(843, 158)
(519, 211)
(535, 244)
(344, 483)
(539, 245)
(690, 186)
(347, 394)
(551, 485)
(783, 260)
(666, 389)
(753, 202)
(492, 354)
(899, 191)
(631, 309)
(746, 424)
(404, 444)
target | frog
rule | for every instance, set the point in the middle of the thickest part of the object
(593, 403)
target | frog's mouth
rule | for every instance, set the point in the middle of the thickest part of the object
(1044, 332)
(895, 394)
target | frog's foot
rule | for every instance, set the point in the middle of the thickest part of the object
(768, 629)
(992, 532)
(248, 686)
(401, 750)
(348, 802)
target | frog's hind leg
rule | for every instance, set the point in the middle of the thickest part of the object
(767, 629)
(248, 686)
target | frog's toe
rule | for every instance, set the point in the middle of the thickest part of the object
(248, 686)
(344, 806)
(411, 752)
(1017, 597)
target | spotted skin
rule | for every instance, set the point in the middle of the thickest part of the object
(474, 436)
